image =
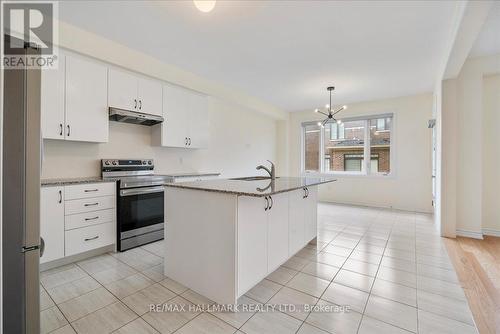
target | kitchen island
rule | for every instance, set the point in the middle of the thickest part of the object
(224, 236)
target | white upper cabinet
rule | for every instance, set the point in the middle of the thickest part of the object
(198, 130)
(149, 94)
(132, 92)
(186, 117)
(86, 100)
(74, 100)
(52, 101)
(122, 90)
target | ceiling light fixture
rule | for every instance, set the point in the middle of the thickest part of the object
(204, 6)
(329, 112)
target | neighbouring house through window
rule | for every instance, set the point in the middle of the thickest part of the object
(342, 148)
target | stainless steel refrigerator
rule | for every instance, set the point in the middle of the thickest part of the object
(21, 199)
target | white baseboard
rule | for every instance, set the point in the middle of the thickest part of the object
(370, 205)
(469, 234)
(491, 232)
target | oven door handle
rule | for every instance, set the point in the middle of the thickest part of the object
(150, 190)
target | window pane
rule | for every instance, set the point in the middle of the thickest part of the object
(380, 145)
(347, 152)
(311, 148)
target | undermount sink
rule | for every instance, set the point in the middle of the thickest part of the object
(252, 178)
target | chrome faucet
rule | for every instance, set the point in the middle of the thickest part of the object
(272, 172)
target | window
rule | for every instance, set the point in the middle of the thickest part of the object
(341, 141)
(342, 147)
(311, 148)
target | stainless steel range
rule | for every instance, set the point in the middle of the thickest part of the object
(140, 201)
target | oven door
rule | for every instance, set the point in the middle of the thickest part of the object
(140, 207)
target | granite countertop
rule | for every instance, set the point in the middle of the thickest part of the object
(193, 174)
(256, 188)
(73, 181)
(97, 179)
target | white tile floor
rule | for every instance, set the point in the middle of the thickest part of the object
(389, 267)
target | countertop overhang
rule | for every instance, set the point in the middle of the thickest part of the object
(98, 179)
(255, 188)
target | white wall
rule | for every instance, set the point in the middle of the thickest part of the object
(469, 109)
(491, 150)
(239, 140)
(410, 188)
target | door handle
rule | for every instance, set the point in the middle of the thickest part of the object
(307, 192)
(91, 204)
(60, 196)
(186, 141)
(267, 204)
(69, 129)
(189, 141)
(93, 218)
(135, 103)
(90, 190)
(93, 238)
(140, 104)
(60, 129)
(304, 196)
(272, 202)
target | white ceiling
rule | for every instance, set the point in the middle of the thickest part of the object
(285, 52)
(488, 41)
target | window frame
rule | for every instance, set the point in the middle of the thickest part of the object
(365, 171)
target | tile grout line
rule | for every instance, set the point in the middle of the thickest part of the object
(319, 299)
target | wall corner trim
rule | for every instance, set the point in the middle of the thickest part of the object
(469, 234)
(491, 232)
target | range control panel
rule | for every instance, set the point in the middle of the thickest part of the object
(126, 162)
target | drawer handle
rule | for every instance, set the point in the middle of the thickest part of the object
(91, 204)
(93, 238)
(90, 190)
(93, 218)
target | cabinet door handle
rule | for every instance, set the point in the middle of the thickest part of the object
(90, 190)
(60, 129)
(69, 130)
(185, 141)
(60, 196)
(307, 192)
(189, 141)
(42, 246)
(93, 238)
(93, 218)
(304, 196)
(140, 104)
(272, 202)
(135, 103)
(267, 204)
(91, 204)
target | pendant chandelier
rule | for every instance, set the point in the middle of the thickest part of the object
(329, 112)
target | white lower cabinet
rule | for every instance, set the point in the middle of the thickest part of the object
(311, 214)
(89, 218)
(270, 230)
(73, 222)
(277, 231)
(296, 222)
(52, 223)
(87, 238)
(89, 204)
(252, 241)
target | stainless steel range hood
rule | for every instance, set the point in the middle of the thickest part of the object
(134, 117)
